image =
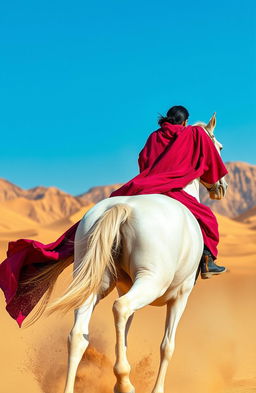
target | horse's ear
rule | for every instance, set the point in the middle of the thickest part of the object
(212, 123)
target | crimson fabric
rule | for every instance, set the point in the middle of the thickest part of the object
(173, 156)
(25, 258)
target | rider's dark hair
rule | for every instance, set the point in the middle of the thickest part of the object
(175, 115)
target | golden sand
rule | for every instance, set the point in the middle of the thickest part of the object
(215, 345)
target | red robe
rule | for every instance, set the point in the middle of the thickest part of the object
(26, 258)
(173, 156)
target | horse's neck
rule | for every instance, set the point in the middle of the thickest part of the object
(193, 189)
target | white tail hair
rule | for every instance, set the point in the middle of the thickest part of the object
(102, 239)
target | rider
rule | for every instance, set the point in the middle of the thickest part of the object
(173, 156)
(169, 162)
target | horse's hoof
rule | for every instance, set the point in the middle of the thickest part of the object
(131, 391)
(117, 391)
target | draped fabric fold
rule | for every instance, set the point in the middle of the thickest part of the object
(26, 258)
(172, 157)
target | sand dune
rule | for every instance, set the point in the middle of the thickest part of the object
(9, 190)
(66, 222)
(241, 194)
(249, 217)
(215, 346)
(13, 221)
(46, 205)
(96, 194)
(44, 211)
(79, 214)
(238, 242)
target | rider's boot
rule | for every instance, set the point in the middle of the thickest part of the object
(208, 267)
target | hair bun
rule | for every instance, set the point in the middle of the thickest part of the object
(175, 115)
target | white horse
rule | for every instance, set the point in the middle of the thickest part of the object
(149, 248)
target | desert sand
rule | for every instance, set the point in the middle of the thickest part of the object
(215, 345)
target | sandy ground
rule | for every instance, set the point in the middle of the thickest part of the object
(215, 345)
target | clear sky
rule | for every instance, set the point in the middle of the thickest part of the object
(82, 83)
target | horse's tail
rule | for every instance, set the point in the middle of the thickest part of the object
(102, 239)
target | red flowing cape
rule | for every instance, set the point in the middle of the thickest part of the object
(172, 157)
(26, 258)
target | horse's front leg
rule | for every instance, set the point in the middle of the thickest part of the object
(78, 340)
(175, 310)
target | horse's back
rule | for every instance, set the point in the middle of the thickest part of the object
(160, 230)
(149, 209)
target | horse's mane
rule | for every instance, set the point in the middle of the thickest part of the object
(204, 125)
(200, 123)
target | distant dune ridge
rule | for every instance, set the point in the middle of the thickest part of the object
(249, 217)
(96, 194)
(241, 195)
(46, 205)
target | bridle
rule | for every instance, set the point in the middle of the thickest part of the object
(210, 135)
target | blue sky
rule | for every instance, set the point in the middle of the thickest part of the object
(82, 84)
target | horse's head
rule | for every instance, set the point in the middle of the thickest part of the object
(219, 189)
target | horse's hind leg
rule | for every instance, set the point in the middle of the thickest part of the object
(175, 310)
(143, 292)
(79, 336)
(78, 340)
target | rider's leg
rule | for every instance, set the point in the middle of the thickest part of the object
(208, 266)
(209, 227)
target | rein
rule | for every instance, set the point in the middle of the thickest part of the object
(216, 191)
(210, 135)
